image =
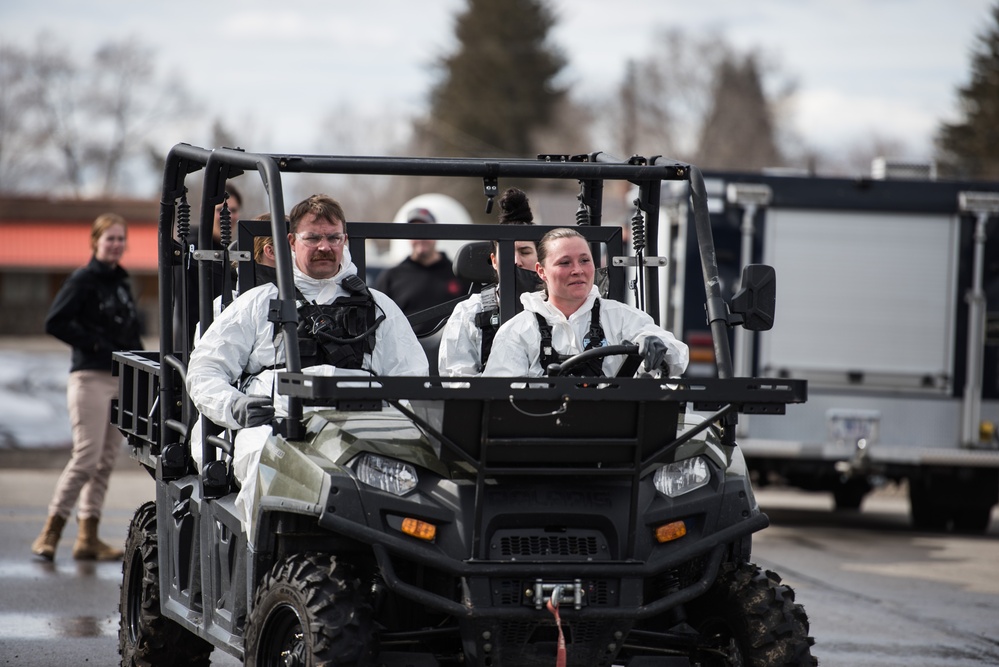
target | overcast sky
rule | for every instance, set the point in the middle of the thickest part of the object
(863, 67)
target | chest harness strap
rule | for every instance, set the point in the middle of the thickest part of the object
(594, 338)
(488, 322)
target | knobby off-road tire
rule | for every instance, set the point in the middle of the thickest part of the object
(753, 621)
(145, 638)
(309, 611)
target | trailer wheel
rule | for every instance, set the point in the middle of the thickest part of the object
(749, 618)
(925, 508)
(972, 519)
(849, 494)
(145, 638)
(955, 499)
(926, 515)
(309, 611)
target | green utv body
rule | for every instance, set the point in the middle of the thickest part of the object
(493, 522)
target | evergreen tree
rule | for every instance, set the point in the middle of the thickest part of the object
(498, 89)
(739, 131)
(663, 98)
(697, 99)
(970, 147)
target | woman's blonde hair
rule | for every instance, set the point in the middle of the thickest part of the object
(552, 236)
(103, 223)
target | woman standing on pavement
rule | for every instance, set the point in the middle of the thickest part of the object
(95, 313)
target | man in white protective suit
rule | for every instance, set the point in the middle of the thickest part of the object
(344, 329)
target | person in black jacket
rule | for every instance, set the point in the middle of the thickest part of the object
(422, 280)
(95, 313)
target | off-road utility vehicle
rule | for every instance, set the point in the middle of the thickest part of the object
(423, 521)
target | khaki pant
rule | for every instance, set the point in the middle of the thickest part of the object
(96, 444)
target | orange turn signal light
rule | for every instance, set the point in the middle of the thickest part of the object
(419, 529)
(671, 531)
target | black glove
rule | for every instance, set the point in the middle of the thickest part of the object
(252, 411)
(655, 355)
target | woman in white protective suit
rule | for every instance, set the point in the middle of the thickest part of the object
(232, 372)
(569, 317)
(466, 340)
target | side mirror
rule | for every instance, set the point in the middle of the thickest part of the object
(753, 305)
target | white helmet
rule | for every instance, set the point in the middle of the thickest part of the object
(430, 207)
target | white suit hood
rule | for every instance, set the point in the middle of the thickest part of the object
(324, 290)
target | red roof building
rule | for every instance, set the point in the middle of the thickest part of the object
(42, 241)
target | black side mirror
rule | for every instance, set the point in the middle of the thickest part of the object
(753, 305)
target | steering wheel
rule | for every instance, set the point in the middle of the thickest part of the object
(628, 368)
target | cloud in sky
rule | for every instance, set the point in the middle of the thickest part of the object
(889, 67)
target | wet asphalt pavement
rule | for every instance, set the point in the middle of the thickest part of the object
(877, 593)
(63, 613)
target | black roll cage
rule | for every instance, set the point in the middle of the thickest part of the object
(590, 170)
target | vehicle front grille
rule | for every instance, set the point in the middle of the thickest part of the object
(540, 544)
(548, 545)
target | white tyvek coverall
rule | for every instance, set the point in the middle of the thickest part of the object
(242, 341)
(461, 341)
(516, 349)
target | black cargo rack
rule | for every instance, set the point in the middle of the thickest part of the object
(630, 421)
(750, 395)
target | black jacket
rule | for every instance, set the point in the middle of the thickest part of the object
(95, 313)
(415, 287)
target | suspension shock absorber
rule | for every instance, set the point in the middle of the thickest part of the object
(638, 229)
(225, 238)
(184, 230)
(582, 213)
(225, 224)
(183, 218)
(638, 244)
(182, 256)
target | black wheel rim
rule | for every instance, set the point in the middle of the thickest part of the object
(282, 640)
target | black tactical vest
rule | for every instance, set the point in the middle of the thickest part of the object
(339, 333)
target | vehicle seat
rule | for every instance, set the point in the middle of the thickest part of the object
(472, 264)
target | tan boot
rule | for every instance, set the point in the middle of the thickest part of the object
(88, 547)
(45, 544)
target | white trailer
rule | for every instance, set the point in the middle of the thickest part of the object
(889, 307)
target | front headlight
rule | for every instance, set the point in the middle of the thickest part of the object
(390, 475)
(676, 479)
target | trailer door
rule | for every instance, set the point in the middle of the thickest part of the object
(864, 299)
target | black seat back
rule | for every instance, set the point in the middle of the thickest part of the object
(472, 263)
